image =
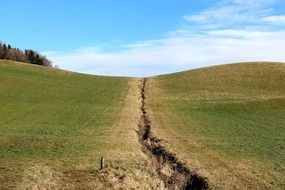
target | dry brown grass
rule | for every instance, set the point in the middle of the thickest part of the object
(128, 166)
(39, 177)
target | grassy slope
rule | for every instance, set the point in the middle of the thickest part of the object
(226, 121)
(56, 118)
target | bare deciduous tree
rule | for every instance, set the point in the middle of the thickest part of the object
(28, 56)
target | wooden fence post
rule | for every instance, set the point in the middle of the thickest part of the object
(102, 164)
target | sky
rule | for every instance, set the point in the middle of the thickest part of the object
(146, 37)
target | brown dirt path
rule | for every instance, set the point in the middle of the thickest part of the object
(127, 166)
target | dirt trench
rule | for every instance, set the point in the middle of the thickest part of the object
(174, 173)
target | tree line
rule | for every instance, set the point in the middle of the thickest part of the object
(27, 56)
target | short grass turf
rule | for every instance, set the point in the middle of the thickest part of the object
(237, 110)
(49, 115)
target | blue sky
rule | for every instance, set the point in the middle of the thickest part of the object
(69, 24)
(149, 37)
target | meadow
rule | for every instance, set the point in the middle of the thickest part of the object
(53, 118)
(227, 122)
(224, 122)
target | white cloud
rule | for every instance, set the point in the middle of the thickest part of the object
(211, 40)
(176, 54)
(280, 19)
(228, 13)
(232, 12)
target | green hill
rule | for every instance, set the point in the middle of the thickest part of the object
(53, 117)
(227, 122)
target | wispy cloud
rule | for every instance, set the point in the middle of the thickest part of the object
(227, 14)
(230, 31)
(280, 19)
(233, 13)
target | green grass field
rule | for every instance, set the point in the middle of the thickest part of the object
(53, 117)
(227, 122)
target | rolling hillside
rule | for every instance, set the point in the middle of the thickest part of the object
(55, 126)
(227, 122)
(52, 120)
